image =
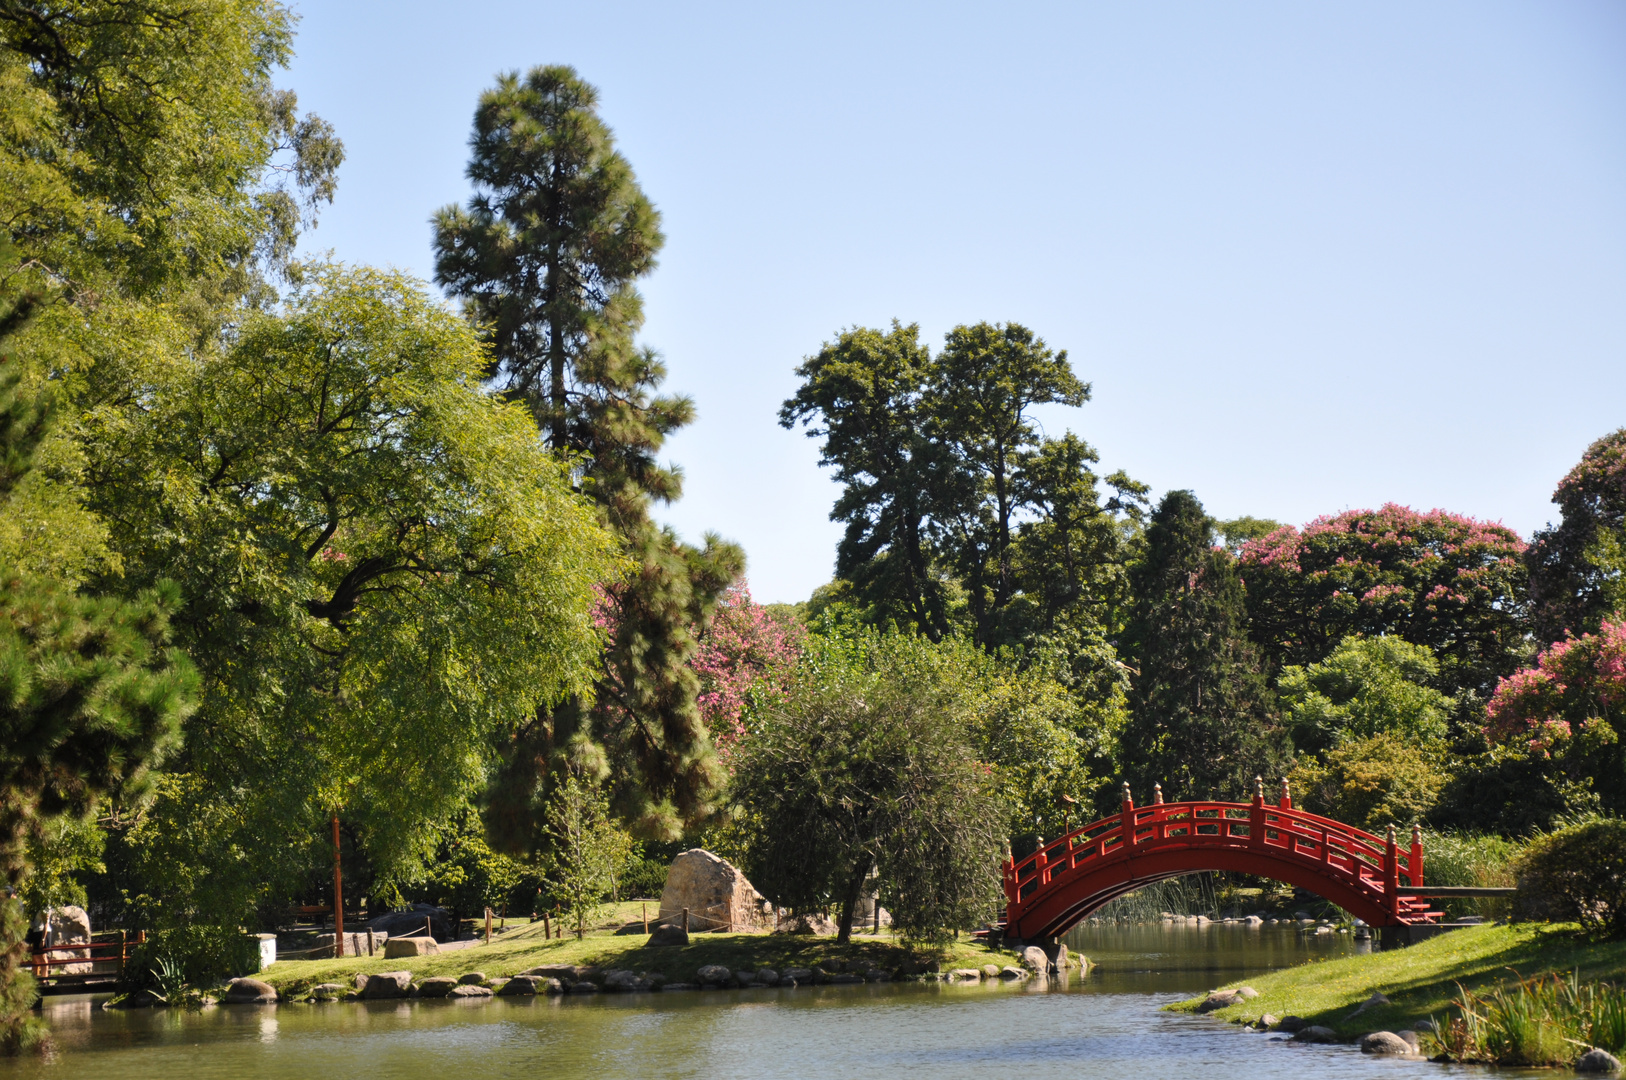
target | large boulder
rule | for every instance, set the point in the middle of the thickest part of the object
(1386, 1042)
(1598, 1061)
(387, 984)
(250, 992)
(467, 991)
(395, 948)
(717, 895)
(713, 975)
(520, 986)
(59, 930)
(1034, 958)
(410, 921)
(809, 924)
(436, 986)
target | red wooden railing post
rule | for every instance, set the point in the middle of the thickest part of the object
(1256, 817)
(1013, 898)
(1041, 865)
(1416, 863)
(1287, 796)
(1128, 818)
(1391, 873)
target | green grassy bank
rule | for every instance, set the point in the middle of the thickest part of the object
(525, 948)
(1419, 981)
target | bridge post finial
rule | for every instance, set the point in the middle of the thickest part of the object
(1259, 789)
(1129, 800)
(1415, 863)
(1391, 832)
(1157, 793)
(1287, 796)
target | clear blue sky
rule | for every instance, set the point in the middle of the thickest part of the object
(1311, 256)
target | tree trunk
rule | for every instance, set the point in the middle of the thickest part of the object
(849, 903)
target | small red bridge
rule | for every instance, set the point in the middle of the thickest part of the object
(1071, 877)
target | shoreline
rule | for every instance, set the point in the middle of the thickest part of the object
(1417, 983)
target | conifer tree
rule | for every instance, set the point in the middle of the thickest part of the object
(545, 256)
(1202, 722)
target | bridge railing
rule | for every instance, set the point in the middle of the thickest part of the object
(1371, 864)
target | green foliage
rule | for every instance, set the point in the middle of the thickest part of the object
(1372, 783)
(1202, 718)
(59, 851)
(1238, 532)
(1365, 687)
(1549, 1020)
(142, 141)
(869, 763)
(1577, 874)
(586, 850)
(1578, 568)
(1469, 859)
(381, 568)
(957, 509)
(19, 1028)
(545, 256)
(466, 876)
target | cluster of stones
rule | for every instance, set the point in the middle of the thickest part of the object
(568, 979)
(1301, 919)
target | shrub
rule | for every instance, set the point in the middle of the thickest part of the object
(1372, 782)
(1471, 860)
(1579, 874)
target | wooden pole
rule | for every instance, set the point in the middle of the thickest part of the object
(338, 893)
(547, 927)
(646, 917)
(685, 920)
(488, 925)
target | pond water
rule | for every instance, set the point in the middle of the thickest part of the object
(1107, 1026)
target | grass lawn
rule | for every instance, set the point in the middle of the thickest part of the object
(1420, 981)
(523, 948)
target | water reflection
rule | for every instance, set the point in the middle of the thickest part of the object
(1102, 1027)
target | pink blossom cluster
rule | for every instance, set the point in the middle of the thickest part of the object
(743, 648)
(1393, 531)
(1573, 681)
(1602, 467)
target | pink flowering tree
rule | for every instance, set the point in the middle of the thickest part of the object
(1571, 708)
(1445, 581)
(744, 651)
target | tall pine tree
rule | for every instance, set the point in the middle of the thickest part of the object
(1202, 720)
(545, 255)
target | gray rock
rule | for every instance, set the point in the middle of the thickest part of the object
(797, 975)
(1385, 1042)
(520, 986)
(713, 975)
(1315, 1033)
(327, 991)
(1219, 999)
(1411, 1039)
(409, 921)
(809, 924)
(1062, 961)
(877, 975)
(1254, 920)
(668, 936)
(469, 990)
(437, 986)
(472, 978)
(1035, 959)
(990, 971)
(250, 992)
(965, 975)
(1009, 972)
(716, 893)
(1266, 1022)
(583, 987)
(845, 977)
(768, 977)
(60, 930)
(387, 984)
(1372, 1002)
(559, 971)
(1246, 993)
(1598, 1061)
(1291, 1024)
(1426, 1025)
(624, 982)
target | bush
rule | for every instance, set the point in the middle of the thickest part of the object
(1372, 783)
(1576, 874)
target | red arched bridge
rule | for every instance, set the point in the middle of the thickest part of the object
(1069, 878)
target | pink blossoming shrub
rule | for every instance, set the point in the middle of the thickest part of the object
(743, 648)
(1442, 580)
(1578, 687)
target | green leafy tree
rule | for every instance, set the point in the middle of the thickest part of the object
(869, 764)
(381, 571)
(1366, 687)
(1374, 782)
(586, 849)
(546, 256)
(1578, 568)
(1202, 716)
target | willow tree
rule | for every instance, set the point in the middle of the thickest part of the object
(546, 256)
(381, 570)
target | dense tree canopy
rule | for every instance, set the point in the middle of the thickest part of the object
(1364, 688)
(1578, 568)
(1443, 581)
(1203, 718)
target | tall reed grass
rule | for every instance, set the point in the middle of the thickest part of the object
(1549, 1020)
(1469, 859)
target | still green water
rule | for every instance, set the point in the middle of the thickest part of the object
(1104, 1027)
